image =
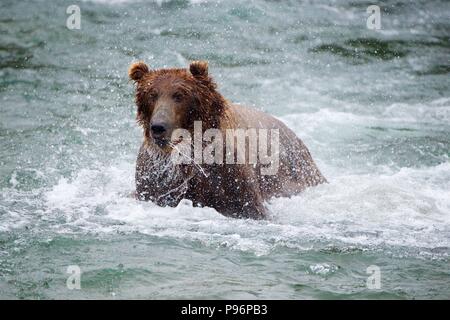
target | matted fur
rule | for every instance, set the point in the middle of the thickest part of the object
(156, 170)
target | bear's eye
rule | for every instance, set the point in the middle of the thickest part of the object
(177, 96)
(153, 95)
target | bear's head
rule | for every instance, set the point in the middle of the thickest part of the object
(169, 99)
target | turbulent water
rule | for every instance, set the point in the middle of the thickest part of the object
(372, 106)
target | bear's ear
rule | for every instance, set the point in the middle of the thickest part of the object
(137, 70)
(199, 68)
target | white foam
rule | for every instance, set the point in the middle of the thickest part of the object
(370, 210)
(435, 112)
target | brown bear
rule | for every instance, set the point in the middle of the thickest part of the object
(172, 99)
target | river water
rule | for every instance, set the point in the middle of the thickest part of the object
(373, 106)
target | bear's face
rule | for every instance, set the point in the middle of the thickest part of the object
(169, 99)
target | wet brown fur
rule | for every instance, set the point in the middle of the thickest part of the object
(234, 190)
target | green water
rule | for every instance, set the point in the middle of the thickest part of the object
(372, 106)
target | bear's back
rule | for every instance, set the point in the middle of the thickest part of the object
(297, 170)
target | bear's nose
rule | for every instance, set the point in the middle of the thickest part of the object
(158, 129)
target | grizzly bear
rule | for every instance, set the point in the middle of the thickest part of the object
(172, 99)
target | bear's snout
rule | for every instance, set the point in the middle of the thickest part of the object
(159, 133)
